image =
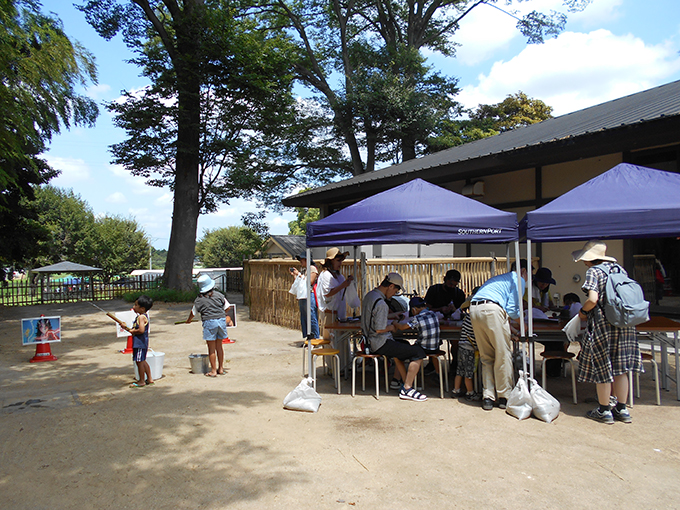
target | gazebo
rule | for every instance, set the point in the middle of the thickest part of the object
(66, 267)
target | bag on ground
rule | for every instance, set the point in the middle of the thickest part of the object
(519, 401)
(303, 398)
(544, 406)
(624, 301)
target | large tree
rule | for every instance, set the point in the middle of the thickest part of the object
(334, 36)
(516, 110)
(40, 69)
(227, 247)
(219, 120)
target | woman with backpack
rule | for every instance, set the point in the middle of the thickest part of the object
(608, 352)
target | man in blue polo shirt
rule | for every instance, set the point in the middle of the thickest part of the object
(492, 307)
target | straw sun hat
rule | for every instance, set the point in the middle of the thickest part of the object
(593, 250)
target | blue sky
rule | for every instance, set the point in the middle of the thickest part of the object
(612, 49)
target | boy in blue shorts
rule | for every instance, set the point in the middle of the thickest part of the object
(140, 340)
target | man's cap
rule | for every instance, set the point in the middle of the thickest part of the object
(396, 279)
(417, 302)
(303, 256)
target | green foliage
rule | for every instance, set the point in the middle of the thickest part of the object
(70, 222)
(298, 227)
(387, 102)
(40, 69)
(163, 294)
(227, 247)
(158, 258)
(514, 111)
(121, 246)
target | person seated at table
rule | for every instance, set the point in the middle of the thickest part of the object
(572, 304)
(426, 324)
(446, 297)
(540, 283)
(378, 332)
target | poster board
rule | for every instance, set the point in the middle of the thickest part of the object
(230, 314)
(128, 317)
(40, 330)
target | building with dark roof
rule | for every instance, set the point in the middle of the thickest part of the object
(525, 168)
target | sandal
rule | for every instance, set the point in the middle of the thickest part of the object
(137, 385)
(412, 394)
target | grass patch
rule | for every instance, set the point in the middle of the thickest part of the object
(163, 294)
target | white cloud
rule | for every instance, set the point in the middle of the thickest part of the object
(116, 198)
(73, 171)
(577, 70)
(100, 91)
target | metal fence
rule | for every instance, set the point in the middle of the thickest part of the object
(23, 292)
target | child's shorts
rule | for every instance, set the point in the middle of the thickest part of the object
(214, 329)
(139, 354)
(466, 363)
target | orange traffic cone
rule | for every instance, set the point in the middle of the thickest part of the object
(43, 352)
(128, 347)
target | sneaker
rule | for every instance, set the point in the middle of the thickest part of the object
(502, 403)
(473, 397)
(604, 417)
(622, 415)
(412, 394)
(487, 404)
(395, 384)
(456, 393)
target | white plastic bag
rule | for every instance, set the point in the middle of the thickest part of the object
(303, 398)
(294, 288)
(352, 296)
(573, 328)
(520, 401)
(545, 407)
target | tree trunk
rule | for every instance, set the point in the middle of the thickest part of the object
(181, 250)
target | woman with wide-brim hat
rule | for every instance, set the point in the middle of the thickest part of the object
(608, 352)
(330, 290)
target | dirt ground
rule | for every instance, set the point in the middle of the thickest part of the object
(73, 435)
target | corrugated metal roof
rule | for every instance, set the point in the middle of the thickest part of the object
(653, 104)
(66, 267)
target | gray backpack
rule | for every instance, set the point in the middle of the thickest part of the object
(624, 300)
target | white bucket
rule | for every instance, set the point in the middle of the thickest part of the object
(155, 361)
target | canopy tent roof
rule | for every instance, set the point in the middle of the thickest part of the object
(66, 267)
(627, 201)
(416, 212)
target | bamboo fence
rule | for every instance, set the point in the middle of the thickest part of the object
(266, 282)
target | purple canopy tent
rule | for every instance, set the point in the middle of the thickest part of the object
(416, 212)
(625, 202)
